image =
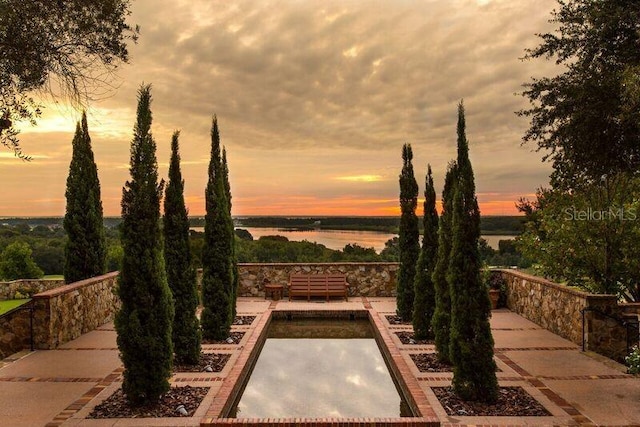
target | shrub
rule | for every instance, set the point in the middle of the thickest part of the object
(633, 361)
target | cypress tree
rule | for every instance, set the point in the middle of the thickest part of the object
(471, 347)
(85, 248)
(181, 275)
(144, 321)
(441, 322)
(217, 269)
(424, 300)
(234, 258)
(409, 236)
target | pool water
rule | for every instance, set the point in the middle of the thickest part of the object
(313, 368)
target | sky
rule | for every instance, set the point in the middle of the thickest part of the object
(314, 101)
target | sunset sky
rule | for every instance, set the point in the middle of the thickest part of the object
(314, 100)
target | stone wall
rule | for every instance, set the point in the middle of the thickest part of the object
(65, 313)
(375, 279)
(27, 287)
(15, 331)
(559, 309)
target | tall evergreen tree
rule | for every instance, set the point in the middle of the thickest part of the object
(409, 236)
(424, 300)
(441, 322)
(181, 274)
(144, 321)
(85, 248)
(217, 268)
(234, 258)
(471, 347)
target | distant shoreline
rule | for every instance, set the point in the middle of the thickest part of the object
(508, 225)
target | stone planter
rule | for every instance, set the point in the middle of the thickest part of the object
(494, 296)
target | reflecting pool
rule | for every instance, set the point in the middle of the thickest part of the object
(315, 368)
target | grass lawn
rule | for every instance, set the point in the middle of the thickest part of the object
(53, 276)
(11, 304)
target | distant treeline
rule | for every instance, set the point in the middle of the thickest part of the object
(46, 238)
(507, 225)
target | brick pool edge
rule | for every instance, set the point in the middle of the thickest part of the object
(217, 414)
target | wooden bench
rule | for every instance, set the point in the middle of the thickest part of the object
(318, 285)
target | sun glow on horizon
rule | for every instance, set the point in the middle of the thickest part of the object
(361, 178)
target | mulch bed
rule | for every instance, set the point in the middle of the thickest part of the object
(216, 361)
(406, 337)
(396, 320)
(234, 338)
(428, 362)
(116, 406)
(512, 402)
(243, 320)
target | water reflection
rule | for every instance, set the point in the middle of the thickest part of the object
(320, 377)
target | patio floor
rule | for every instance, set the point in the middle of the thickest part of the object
(60, 387)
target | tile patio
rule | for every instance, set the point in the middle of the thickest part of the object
(60, 387)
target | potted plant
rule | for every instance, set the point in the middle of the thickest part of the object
(496, 285)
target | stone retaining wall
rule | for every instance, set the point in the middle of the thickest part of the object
(15, 331)
(558, 308)
(65, 313)
(375, 279)
(27, 287)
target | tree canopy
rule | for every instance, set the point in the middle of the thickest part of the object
(587, 118)
(68, 48)
(16, 263)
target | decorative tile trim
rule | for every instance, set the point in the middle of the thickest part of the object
(502, 349)
(70, 410)
(550, 394)
(319, 422)
(49, 380)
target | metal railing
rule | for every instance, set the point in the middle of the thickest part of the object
(632, 327)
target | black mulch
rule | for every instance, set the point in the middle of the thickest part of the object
(243, 320)
(406, 337)
(116, 405)
(512, 402)
(234, 338)
(428, 362)
(396, 320)
(215, 361)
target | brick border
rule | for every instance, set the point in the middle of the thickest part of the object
(568, 408)
(234, 381)
(49, 380)
(73, 408)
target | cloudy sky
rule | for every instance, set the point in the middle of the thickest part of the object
(314, 100)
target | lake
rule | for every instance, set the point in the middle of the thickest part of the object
(338, 239)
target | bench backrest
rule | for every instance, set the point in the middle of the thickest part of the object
(336, 282)
(318, 281)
